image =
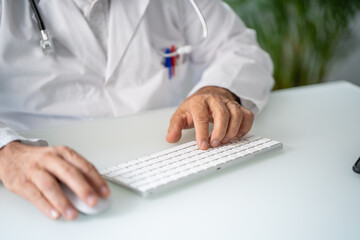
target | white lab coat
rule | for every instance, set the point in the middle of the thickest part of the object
(80, 81)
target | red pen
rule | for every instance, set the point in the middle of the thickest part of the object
(173, 61)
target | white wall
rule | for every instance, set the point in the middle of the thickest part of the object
(349, 68)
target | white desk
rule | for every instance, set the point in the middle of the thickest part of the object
(305, 191)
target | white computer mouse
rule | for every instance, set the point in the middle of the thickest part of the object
(82, 207)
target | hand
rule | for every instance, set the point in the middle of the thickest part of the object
(32, 173)
(211, 104)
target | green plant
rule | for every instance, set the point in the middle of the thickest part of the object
(305, 38)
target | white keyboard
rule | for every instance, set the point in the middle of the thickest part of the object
(159, 171)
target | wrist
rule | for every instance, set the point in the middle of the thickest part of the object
(219, 91)
(4, 153)
(2, 159)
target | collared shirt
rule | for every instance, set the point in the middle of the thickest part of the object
(96, 12)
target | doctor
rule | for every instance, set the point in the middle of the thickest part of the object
(108, 61)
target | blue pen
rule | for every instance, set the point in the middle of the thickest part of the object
(168, 62)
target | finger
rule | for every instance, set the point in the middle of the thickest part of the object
(177, 124)
(201, 118)
(89, 171)
(30, 192)
(50, 188)
(246, 123)
(73, 178)
(221, 116)
(234, 122)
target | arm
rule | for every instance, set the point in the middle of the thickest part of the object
(235, 66)
(32, 170)
(232, 56)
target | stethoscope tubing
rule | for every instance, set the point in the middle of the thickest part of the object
(38, 17)
(180, 51)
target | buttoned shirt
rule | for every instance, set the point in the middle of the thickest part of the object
(96, 12)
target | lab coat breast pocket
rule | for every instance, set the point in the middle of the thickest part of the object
(171, 75)
(144, 77)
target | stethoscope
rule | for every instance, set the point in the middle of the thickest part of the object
(47, 46)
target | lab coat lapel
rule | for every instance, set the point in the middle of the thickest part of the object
(66, 23)
(125, 17)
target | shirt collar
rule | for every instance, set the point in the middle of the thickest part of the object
(85, 6)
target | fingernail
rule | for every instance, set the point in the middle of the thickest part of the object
(239, 135)
(70, 213)
(91, 200)
(104, 191)
(54, 214)
(215, 143)
(225, 140)
(204, 144)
